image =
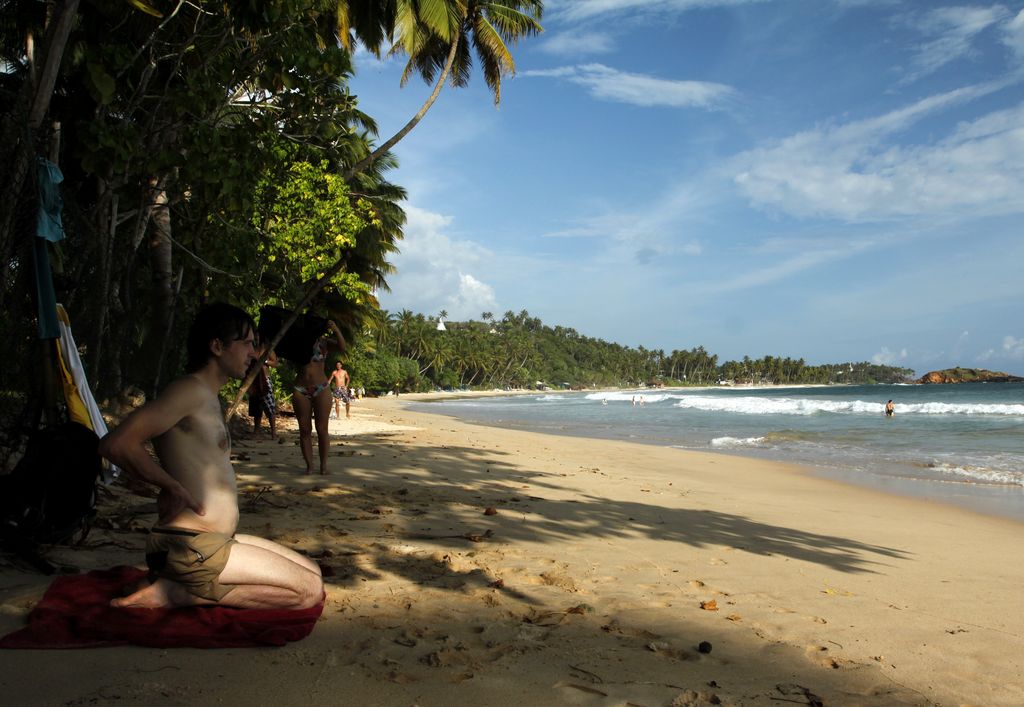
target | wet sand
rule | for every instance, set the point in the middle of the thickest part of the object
(472, 565)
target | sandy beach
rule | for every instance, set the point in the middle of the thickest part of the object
(473, 565)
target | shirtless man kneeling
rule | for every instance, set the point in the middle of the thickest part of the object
(193, 553)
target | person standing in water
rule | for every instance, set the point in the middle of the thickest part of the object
(890, 409)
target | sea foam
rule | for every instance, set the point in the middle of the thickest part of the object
(727, 442)
(750, 405)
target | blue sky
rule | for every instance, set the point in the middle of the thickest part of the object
(828, 179)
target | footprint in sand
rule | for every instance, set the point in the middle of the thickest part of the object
(572, 690)
(819, 655)
(717, 561)
(700, 587)
(666, 650)
(562, 581)
(693, 698)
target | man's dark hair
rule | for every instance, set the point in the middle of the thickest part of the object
(214, 321)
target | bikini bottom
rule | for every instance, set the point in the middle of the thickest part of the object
(311, 394)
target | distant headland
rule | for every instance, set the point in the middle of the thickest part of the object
(968, 375)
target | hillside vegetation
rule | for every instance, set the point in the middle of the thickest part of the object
(408, 352)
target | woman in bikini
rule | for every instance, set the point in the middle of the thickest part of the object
(311, 400)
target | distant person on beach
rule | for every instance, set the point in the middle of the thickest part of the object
(890, 409)
(339, 381)
(194, 556)
(311, 399)
(261, 393)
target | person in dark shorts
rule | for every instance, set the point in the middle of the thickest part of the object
(342, 395)
(261, 394)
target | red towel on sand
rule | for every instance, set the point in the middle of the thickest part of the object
(75, 612)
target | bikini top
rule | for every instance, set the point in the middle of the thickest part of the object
(319, 352)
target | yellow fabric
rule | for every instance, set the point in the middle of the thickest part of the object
(77, 410)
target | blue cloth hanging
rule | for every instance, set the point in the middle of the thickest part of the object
(49, 177)
(48, 228)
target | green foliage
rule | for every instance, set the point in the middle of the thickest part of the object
(381, 372)
(307, 223)
(520, 351)
(236, 119)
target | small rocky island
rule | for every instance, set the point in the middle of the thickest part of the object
(968, 375)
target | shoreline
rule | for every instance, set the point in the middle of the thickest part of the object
(987, 499)
(602, 568)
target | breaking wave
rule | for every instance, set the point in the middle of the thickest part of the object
(749, 405)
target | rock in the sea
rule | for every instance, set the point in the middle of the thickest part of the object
(968, 375)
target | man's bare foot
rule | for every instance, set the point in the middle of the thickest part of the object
(130, 589)
(158, 595)
(323, 471)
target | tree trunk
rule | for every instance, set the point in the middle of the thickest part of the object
(20, 161)
(373, 156)
(160, 261)
(109, 228)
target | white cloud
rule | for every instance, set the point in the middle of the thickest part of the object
(606, 83)
(433, 270)
(472, 298)
(857, 172)
(952, 30)
(1013, 348)
(588, 9)
(885, 357)
(666, 227)
(577, 43)
(960, 345)
(809, 255)
(1013, 35)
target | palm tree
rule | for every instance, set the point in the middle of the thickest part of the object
(437, 34)
(420, 338)
(440, 351)
(404, 323)
(382, 324)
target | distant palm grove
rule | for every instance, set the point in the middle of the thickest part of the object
(410, 352)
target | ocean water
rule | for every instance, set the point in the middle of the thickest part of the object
(961, 444)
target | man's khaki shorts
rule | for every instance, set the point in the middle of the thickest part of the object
(191, 558)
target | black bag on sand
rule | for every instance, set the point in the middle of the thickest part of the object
(50, 497)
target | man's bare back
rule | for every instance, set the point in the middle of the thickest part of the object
(193, 548)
